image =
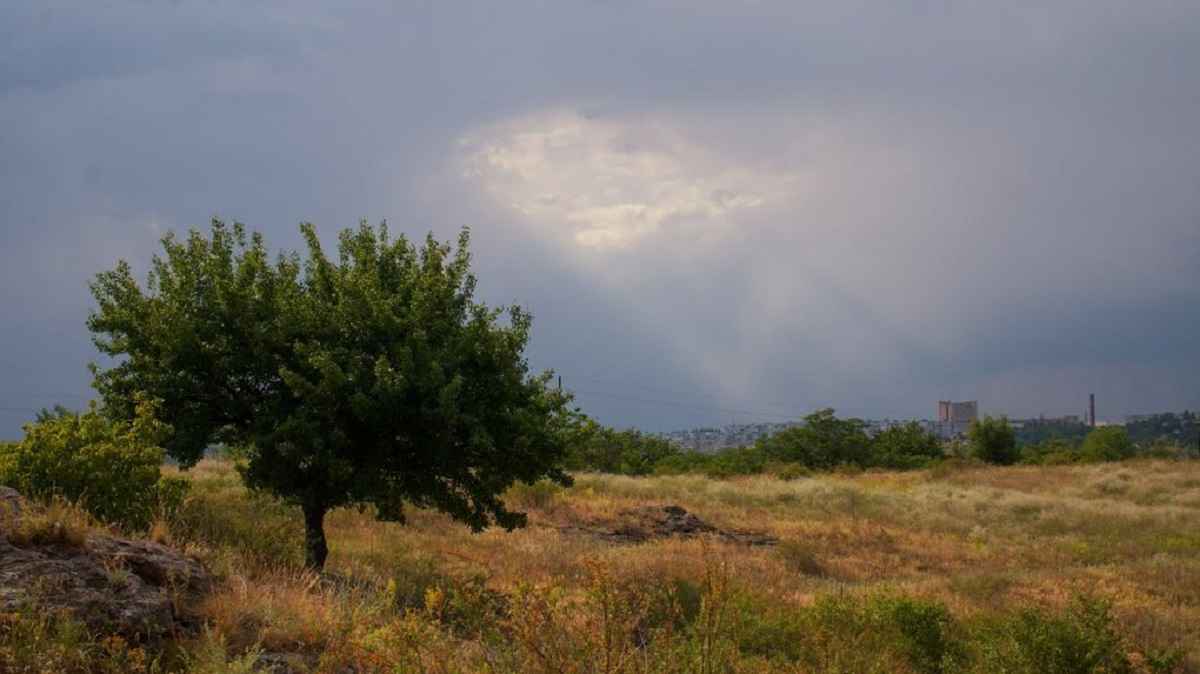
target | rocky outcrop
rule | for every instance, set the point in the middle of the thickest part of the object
(128, 587)
(647, 523)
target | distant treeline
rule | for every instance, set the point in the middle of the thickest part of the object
(1167, 427)
(825, 442)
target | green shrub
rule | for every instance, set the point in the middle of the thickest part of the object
(1109, 443)
(108, 468)
(735, 461)
(881, 632)
(776, 635)
(1084, 638)
(920, 630)
(683, 462)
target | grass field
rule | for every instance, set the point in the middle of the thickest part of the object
(959, 568)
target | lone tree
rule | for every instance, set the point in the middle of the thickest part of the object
(375, 379)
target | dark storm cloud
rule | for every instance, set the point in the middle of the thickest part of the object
(867, 205)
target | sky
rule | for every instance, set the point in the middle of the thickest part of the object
(716, 211)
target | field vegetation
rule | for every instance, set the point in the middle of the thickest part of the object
(962, 567)
(371, 386)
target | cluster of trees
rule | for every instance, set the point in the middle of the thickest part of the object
(1154, 434)
(599, 449)
(1183, 428)
(825, 442)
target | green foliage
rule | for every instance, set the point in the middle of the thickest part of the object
(1171, 450)
(775, 634)
(1035, 432)
(109, 467)
(921, 630)
(1083, 638)
(688, 461)
(1182, 428)
(1108, 443)
(882, 632)
(822, 442)
(993, 441)
(1054, 451)
(905, 447)
(596, 448)
(373, 379)
(734, 461)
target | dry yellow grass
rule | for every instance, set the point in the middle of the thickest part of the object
(980, 541)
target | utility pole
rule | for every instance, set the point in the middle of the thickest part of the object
(1092, 409)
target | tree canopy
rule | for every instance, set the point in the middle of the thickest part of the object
(821, 443)
(372, 379)
(1107, 443)
(605, 450)
(993, 440)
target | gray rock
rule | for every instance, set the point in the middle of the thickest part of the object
(114, 585)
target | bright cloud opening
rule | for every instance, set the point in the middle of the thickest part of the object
(610, 183)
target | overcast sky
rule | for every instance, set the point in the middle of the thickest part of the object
(716, 211)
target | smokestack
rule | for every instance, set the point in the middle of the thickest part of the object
(1092, 409)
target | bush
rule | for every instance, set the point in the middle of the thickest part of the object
(1084, 638)
(774, 634)
(901, 633)
(735, 461)
(920, 630)
(907, 447)
(1109, 443)
(108, 468)
(993, 441)
(682, 463)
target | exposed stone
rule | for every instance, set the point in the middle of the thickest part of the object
(12, 504)
(127, 587)
(649, 522)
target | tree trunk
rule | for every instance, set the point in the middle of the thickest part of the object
(315, 547)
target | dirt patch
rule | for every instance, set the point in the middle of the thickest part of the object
(648, 523)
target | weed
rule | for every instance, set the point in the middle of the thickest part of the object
(57, 524)
(799, 557)
(540, 494)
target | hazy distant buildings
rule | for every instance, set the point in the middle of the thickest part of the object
(953, 420)
(958, 415)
